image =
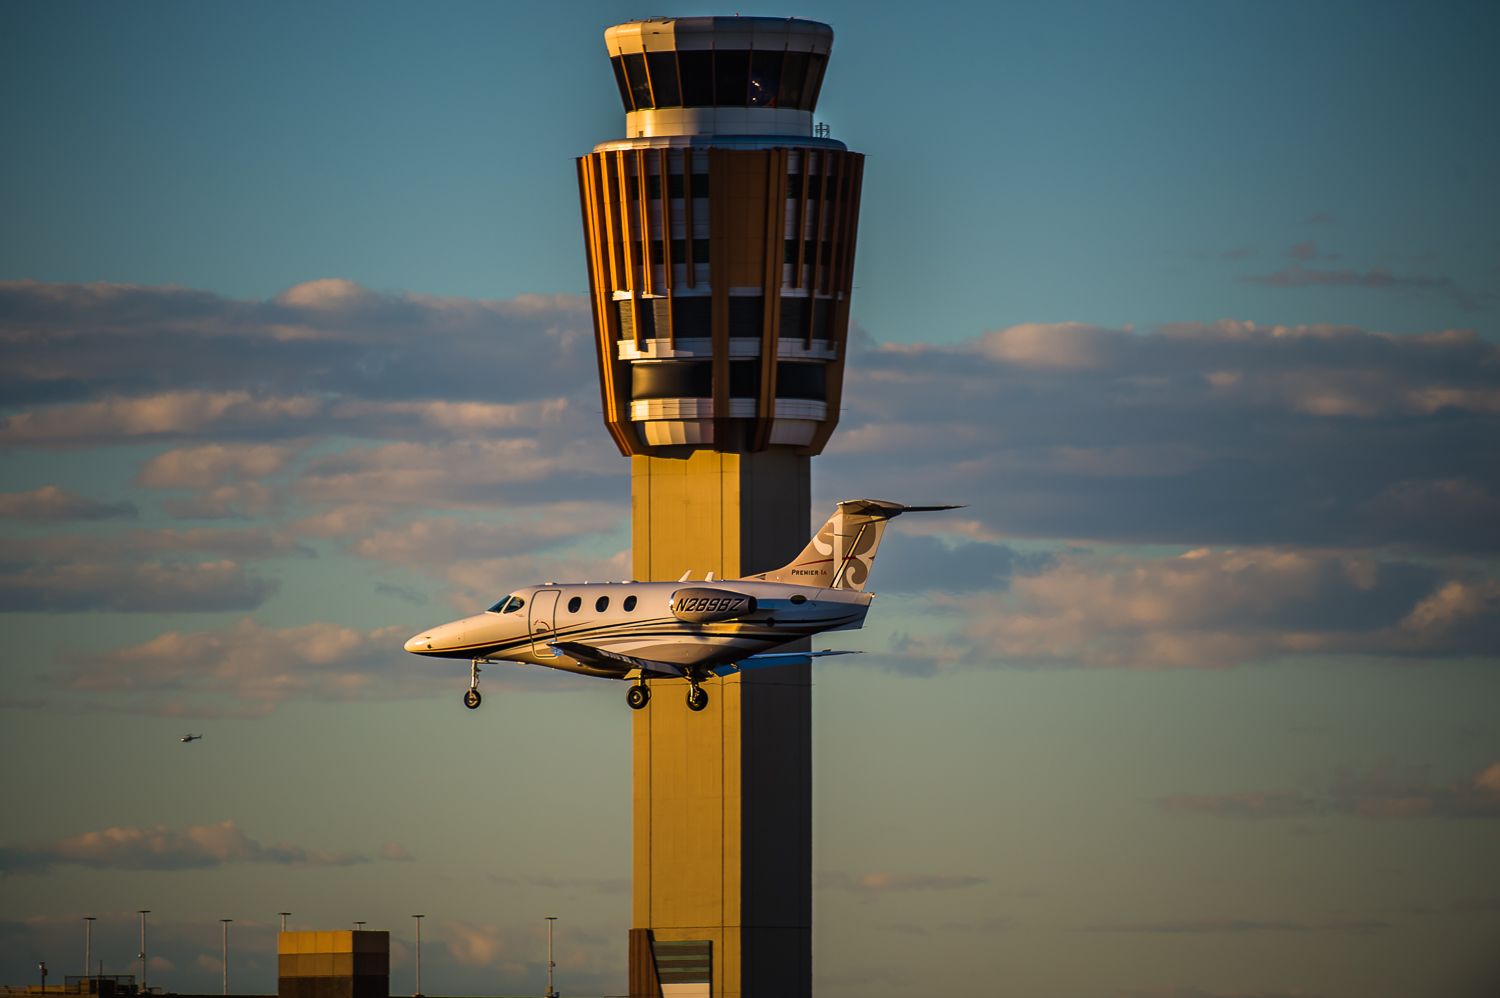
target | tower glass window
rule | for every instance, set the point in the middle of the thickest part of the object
(697, 78)
(793, 76)
(619, 63)
(815, 66)
(640, 87)
(731, 78)
(765, 78)
(663, 66)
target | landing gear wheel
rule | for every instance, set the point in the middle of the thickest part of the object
(638, 696)
(697, 698)
(472, 699)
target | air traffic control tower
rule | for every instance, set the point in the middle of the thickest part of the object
(720, 238)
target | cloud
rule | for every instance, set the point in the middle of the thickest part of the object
(140, 571)
(917, 563)
(395, 852)
(53, 503)
(159, 847)
(888, 882)
(1380, 794)
(482, 945)
(251, 666)
(457, 474)
(438, 542)
(1198, 433)
(312, 347)
(1298, 276)
(207, 466)
(591, 885)
(1217, 609)
(147, 587)
(1196, 992)
(165, 414)
(1243, 926)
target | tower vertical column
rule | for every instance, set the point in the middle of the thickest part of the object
(719, 236)
(722, 833)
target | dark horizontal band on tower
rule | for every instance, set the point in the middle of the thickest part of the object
(746, 317)
(722, 78)
(695, 379)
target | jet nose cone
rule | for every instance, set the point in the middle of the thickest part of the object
(419, 644)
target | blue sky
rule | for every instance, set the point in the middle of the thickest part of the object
(1193, 304)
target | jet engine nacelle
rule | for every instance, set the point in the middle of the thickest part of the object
(707, 606)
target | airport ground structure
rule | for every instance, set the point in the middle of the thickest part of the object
(720, 235)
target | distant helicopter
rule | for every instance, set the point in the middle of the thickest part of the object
(189, 738)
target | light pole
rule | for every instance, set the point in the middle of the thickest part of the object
(283, 915)
(143, 912)
(225, 957)
(551, 992)
(418, 919)
(88, 944)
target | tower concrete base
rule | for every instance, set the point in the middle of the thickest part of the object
(722, 848)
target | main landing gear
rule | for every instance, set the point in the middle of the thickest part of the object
(472, 699)
(640, 694)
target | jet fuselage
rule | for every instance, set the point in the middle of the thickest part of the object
(637, 620)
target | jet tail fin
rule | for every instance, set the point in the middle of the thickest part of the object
(841, 552)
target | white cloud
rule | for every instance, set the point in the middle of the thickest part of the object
(207, 466)
(165, 414)
(253, 668)
(53, 503)
(151, 586)
(1219, 608)
(159, 847)
(1381, 794)
(460, 473)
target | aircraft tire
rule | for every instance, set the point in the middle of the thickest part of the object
(697, 698)
(472, 699)
(637, 697)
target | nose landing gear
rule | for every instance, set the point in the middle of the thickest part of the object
(472, 699)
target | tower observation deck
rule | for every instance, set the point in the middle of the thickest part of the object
(720, 235)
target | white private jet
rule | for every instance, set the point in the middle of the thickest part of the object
(649, 630)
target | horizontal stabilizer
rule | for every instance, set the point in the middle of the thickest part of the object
(773, 659)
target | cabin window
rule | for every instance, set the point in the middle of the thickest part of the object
(574, 604)
(629, 604)
(601, 604)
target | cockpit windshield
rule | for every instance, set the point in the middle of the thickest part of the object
(507, 604)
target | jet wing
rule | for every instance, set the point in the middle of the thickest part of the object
(599, 658)
(771, 659)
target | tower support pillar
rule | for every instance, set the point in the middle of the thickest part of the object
(722, 835)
